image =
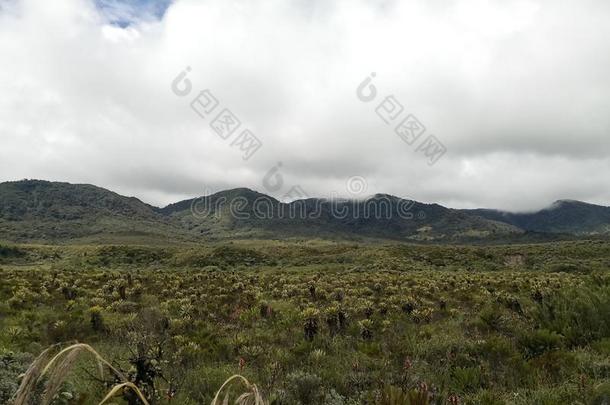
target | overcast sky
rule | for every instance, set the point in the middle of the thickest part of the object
(518, 92)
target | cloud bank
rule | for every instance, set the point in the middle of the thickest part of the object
(518, 93)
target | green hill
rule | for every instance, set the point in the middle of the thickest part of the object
(563, 216)
(244, 212)
(42, 211)
(35, 210)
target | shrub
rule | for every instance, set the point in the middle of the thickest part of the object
(394, 396)
(10, 252)
(539, 341)
(556, 364)
(304, 388)
(491, 317)
(487, 397)
(11, 366)
(96, 319)
(467, 379)
(581, 315)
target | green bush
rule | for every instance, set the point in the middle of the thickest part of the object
(538, 342)
(467, 379)
(11, 366)
(580, 315)
(304, 388)
(491, 317)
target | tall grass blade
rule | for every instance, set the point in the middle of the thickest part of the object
(120, 387)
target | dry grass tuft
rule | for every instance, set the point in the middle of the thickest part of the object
(119, 388)
(32, 376)
(55, 368)
(52, 368)
(251, 396)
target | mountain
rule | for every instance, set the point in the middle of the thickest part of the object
(563, 216)
(39, 210)
(42, 211)
(247, 213)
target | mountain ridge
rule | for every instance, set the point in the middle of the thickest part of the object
(39, 210)
(562, 216)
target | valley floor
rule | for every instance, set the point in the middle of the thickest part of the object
(316, 322)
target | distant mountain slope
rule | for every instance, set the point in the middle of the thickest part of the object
(34, 210)
(43, 199)
(247, 212)
(42, 210)
(563, 216)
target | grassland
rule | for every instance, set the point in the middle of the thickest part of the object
(315, 322)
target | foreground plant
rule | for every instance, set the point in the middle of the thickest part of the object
(251, 396)
(53, 370)
(396, 396)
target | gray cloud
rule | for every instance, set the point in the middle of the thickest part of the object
(519, 92)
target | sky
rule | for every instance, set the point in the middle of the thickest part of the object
(140, 97)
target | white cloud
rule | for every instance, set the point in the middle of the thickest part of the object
(518, 92)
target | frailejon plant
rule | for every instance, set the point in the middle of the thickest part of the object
(310, 322)
(331, 316)
(366, 329)
(96, 319)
